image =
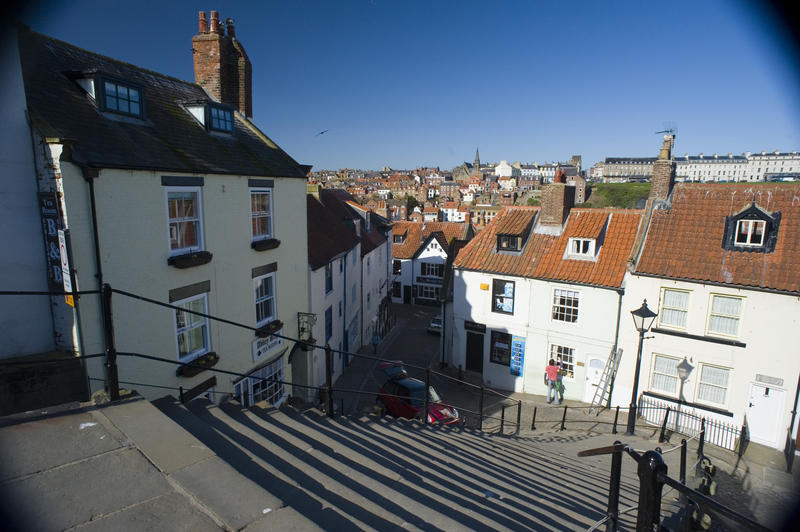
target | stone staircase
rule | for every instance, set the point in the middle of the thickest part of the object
(372, 473)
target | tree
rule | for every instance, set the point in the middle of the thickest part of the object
(411, 202)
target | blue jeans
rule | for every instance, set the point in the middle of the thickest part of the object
(552, 392)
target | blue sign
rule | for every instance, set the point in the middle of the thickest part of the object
(517, 355)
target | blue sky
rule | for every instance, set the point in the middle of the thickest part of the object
(412, 83)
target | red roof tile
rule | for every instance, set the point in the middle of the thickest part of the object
(611, 254)
(686, 241)
(415, 235)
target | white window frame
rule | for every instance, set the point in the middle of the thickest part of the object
(664, 307)
(250, 390)
(711, 314)
(581, 247)
(572, 294)
(701, 383)
(567, 359)
(653, 373)
(203, 322)
(199, 216)
(270, 217)
(750, 231)
(257, 300)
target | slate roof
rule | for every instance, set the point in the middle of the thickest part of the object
(615, 231)
(344, 208)
(328, 235)
(685, 241)
(167, 139)
(543, 255)
(416, 235)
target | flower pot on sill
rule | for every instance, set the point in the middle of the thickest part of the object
(263, 245)
(187, 260)
(198, 365)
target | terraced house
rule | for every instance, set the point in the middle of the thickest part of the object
(539, 283)
(720, 263)
(419, 253)
(166, 190)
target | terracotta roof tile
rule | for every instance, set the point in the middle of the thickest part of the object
(415, 235)
(686, 240)
(480, 254)
(611, 256)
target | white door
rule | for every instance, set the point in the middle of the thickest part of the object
(764, 412)
(594, 370)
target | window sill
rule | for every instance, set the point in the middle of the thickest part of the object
(198, 365)
(191, 259)
(263, 245)
(711, 339)
(269, 329)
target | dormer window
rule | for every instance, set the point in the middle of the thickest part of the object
(509, 242)
(581, 247)
(121, 98)
(212, 116)
(221, 119)
(750, 232)
(398, 239)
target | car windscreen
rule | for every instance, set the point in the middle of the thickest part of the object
(417, 397)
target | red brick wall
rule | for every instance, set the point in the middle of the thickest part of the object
(557, 200)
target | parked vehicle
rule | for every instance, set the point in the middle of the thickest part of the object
(435, 326)
(403, 396)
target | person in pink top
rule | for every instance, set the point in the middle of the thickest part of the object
(552, 382)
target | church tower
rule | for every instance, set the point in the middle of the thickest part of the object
(476, 168)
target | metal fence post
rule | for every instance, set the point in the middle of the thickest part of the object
(533, 421)
(112, 375)
(683, 461)
(702, 439)
(613, 488)
(564, 419)
(502, 417)
(480, 410)
(616, 416)
(651, 465)
(519, 415)
(661, 438)
(427, 395)
(329, 378)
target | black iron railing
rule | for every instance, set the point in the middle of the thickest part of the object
(652, 473)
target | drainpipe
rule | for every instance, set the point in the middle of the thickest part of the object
(90, 174)
(620, 293)
(345, 341)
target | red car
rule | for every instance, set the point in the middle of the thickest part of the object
(403, 396)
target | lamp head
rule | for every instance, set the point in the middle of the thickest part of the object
(643, 318)
(684, 369)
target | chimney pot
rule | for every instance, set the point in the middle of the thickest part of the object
(215, 22)
(229, 23)
(202, 23)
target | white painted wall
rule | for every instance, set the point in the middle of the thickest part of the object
(592, 335)
(26, 324)
(768, 326)
(132, 217)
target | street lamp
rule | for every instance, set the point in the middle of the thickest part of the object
(684, 369)
(643, 319)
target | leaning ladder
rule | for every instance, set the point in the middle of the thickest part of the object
(607, 377)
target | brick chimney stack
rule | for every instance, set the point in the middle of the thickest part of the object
(221, 65)
(663, 171)
(557, 200)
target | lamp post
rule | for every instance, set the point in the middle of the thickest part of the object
(684, 369)
(643, 319)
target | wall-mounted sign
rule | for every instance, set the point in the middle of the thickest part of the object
(474, 327)
(65, 275)
(517, 355)
(264, 346)
(484, 286)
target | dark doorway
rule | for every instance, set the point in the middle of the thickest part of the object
(474, 352)
(407, 295)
